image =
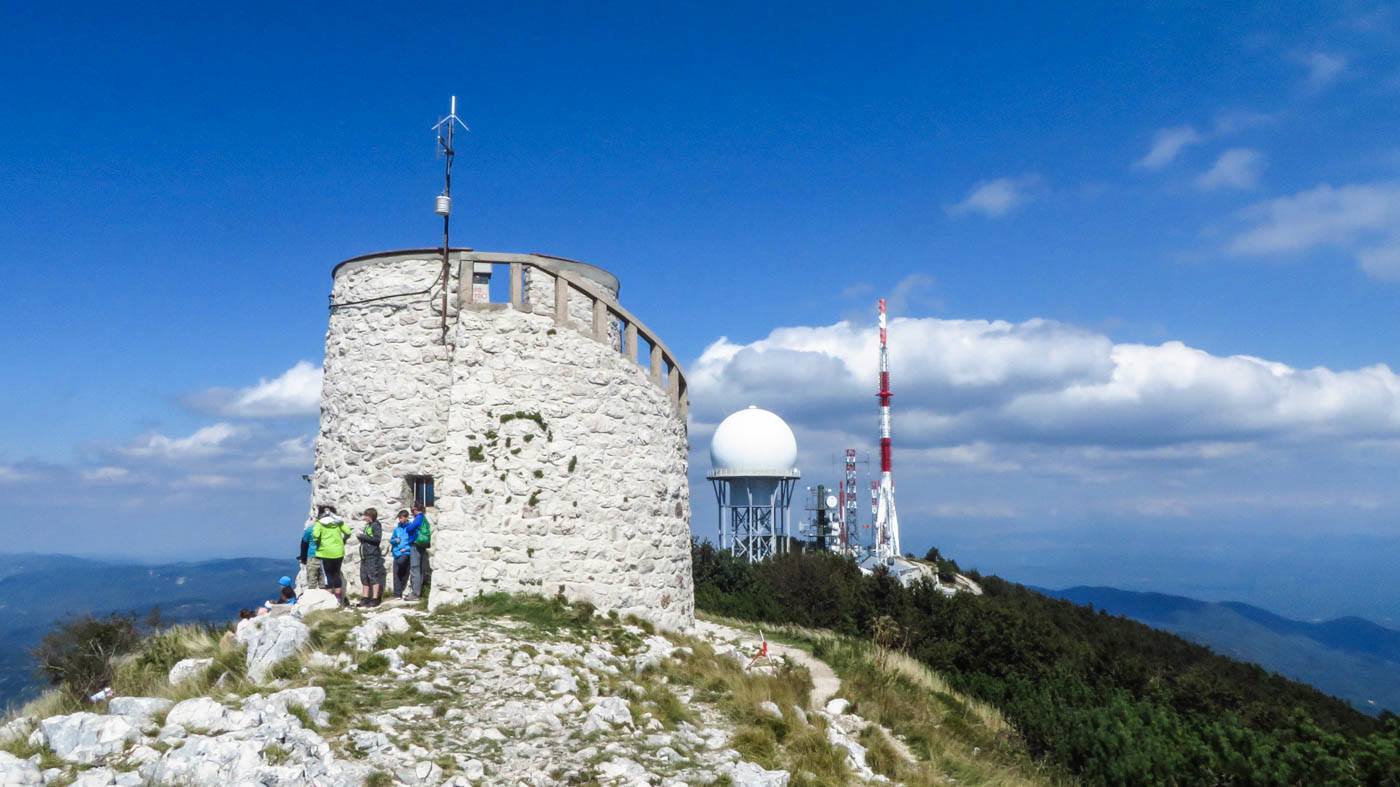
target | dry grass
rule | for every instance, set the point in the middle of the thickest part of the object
(797, 746)
(948, 733)
(54, 702)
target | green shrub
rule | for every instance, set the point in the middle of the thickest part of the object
(77, 655)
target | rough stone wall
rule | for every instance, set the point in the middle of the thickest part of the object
(384, 398)
(558, 465)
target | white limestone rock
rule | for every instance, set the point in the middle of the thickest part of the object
(366, 635)
(315, 600)
(16, 729)
(86, 738)
(270, 640)
(138, 710)
(658, 649)
(204, 715)
(319, 660)
(15, 772)
(607, 713)
(747, 774)
(95, 777)
(620, 770)
(185, 669)
(855, 753)
(770, 709)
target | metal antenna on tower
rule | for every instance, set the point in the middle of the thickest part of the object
(446, 128)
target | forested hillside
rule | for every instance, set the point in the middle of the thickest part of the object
(1110, 699)
(1350, 658)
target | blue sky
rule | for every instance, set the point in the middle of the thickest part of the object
(1100, 204)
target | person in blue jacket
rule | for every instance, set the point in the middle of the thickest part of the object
(286, 592)
(419, 531)
(308, 557)
(401, 548)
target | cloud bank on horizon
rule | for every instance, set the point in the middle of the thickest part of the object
(1042, 382)
(1039, 425)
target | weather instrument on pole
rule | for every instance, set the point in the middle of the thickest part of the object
(446, 129)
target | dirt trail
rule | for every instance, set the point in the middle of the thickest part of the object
(825, 684)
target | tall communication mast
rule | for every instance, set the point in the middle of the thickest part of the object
(886, 519)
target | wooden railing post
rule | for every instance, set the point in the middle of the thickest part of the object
(665, 373)
(600, 320)
(561, 301)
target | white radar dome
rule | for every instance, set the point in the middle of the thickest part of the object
(754, 440)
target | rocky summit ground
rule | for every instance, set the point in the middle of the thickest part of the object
(501, 691)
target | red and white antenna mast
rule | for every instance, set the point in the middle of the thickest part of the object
(886, 520)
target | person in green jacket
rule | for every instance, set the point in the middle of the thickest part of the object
(329, 535)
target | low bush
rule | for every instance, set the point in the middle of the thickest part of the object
(78, 655)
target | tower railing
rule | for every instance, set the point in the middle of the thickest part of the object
(664, 370)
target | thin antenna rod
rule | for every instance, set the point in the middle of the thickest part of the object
(445, 129)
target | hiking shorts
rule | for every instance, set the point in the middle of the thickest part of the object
(331, 567)
(314, 577)
(372, 570)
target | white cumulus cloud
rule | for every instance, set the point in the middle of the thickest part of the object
(1323, 68)
(996, 198)
(296, 451)
(1236, 168)
(295, 392)
(9, 474)
(1167, 143)
(977, 384)
(207, 441)
(107, 474)
(1362, 219)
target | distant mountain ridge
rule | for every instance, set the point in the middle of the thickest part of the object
(37, 590)
(1349, 657)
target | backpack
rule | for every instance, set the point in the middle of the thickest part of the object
(425, 534)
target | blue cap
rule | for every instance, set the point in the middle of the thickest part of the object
(285, 582)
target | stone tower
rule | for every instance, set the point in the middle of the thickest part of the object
(556, 462)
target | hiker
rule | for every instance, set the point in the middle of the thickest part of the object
(329, 534)
(401, 548)
(286, 592)
(308, 559)
(371, 559)
(420, 533)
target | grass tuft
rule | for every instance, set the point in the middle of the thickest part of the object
(373, 664)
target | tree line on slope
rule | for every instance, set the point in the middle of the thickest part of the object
(1110, 699)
